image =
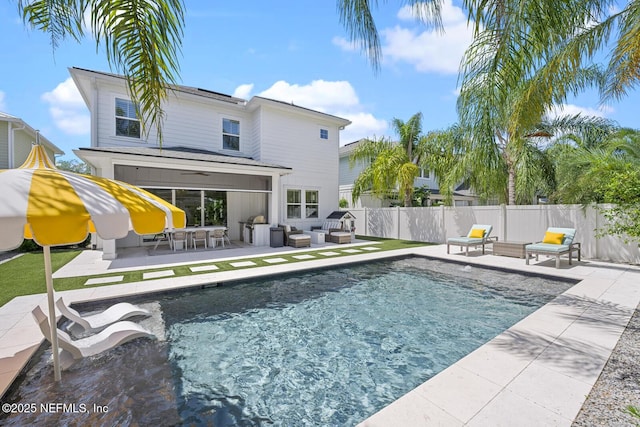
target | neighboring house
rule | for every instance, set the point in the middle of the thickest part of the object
(16, 138)
(348, 175)
(223, 159)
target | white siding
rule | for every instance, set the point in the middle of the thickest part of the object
(188, 122)
(288, 141)
(4, 145)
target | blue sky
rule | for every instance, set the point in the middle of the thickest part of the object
(287, 50)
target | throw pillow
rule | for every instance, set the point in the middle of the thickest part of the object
(477, 233)
(553, 238)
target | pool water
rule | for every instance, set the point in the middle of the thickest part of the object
(325, 348)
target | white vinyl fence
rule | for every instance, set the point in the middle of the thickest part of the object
(513, 223)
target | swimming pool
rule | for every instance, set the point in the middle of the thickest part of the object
(329, 347)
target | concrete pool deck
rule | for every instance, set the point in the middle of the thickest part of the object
(537, 372)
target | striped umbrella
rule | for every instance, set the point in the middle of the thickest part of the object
(55, 207)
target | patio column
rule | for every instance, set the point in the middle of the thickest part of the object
(274, 200)
(109, 249)
(108, 246)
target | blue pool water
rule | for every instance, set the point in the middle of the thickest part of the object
(324, 348)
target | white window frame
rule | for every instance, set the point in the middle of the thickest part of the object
(238, 135)
(303, 205)
(287, 203)
(116, 117)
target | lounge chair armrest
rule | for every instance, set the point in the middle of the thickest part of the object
(492, 239)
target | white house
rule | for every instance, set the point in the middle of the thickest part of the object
(223, 159)
(348, 175)
(16, 138)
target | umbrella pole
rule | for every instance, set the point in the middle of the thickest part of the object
(52, 312)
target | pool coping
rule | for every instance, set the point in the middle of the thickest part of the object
(539, 370)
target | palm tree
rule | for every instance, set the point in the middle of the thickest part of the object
(390, 166)
(141, 38)
(555, 37)
(586, 166)
(442, 154)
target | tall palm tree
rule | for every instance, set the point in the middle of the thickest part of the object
(390, 166)
(141, 38)
(442, 153)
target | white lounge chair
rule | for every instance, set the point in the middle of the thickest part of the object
(479, 235)
(71, 351)
(557, 242)
(96, 322)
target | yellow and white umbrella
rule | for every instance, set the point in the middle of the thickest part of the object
(55, 207)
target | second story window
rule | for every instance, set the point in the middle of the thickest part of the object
(230, 134)
(127, 122)
(324, 134)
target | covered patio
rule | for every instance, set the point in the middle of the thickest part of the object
(212, 189)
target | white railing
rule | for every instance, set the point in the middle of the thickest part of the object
(513, 223)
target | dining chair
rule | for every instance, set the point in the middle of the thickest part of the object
(199, 236)
(217, 235)
(179, 236)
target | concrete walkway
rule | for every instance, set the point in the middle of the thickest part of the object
(538, 372)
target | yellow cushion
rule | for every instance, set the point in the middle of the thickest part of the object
(553, 238)
(477, 233)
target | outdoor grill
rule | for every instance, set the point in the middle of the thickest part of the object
(251, 222)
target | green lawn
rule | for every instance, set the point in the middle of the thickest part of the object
(26, 274)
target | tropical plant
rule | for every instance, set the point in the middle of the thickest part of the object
(141, 38)
(583, 158)
(73, 165)
(389, 166)
(442, 155)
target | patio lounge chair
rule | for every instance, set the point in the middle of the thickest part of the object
(557, 241)
(478, 236)
(71, 351)
(96, 322)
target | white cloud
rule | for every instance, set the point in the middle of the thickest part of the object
(68, 109)
(3, 104)
(338, 98)
(363, 125)
(571, 110)
(243, 91)
(344, 44)
(428, 50)
(319, 95)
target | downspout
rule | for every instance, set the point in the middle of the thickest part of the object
(94, 113)
(11, 148)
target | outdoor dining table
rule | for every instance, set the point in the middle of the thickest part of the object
(191, 230)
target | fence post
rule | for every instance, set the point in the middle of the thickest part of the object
(366, 222)
(398, 219)
(444, 224)
(503, 221)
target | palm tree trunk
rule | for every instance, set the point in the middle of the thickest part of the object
(407, 198)
(512, 184)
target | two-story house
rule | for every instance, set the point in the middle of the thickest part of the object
(16, 138)
(222, 159)
(348, 175)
